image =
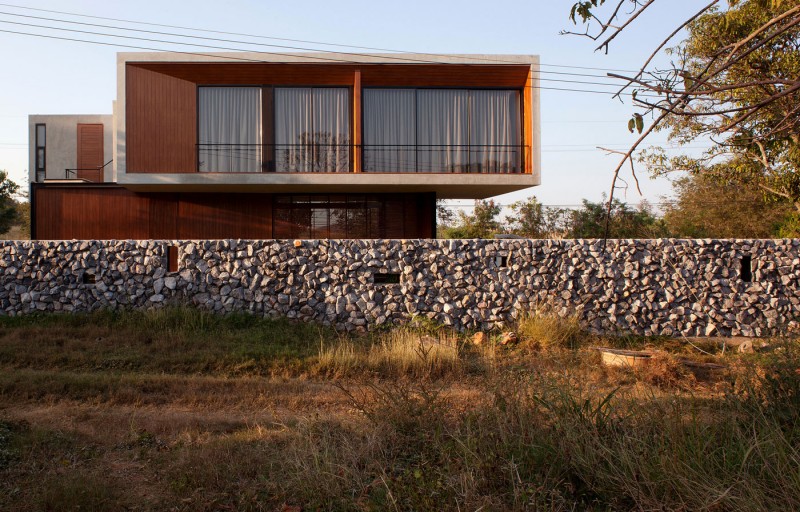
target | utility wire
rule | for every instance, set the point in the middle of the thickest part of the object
(231, 57)
(615, 82)
(486, 59)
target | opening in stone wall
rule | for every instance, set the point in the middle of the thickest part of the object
(388, 278)
(747, 268)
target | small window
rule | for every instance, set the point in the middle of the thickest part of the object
(389, 278)
(41, 152)
(172, 258)
(501, 261)
(747, 268)
(88, 277)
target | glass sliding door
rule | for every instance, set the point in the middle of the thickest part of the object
(443, 130)
(312, 129)
(494, 132)
(229, 129)
(390, 130)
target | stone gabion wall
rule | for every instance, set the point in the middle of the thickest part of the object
(692, 287)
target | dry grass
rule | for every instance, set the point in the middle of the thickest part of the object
(543, 328)
(253, 422)
(399, 352)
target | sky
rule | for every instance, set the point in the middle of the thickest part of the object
(48, 76)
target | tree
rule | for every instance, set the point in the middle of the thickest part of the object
(8, 205)
(735, 80)
(709, 208)
(623, 221)
(482, 223)
(531, 219)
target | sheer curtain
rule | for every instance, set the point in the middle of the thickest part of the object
(312, 129)
(229, 125)
(443, 124)
(495, 132)
(390, 130)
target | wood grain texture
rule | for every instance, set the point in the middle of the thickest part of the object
(213, 216)
(87, 211)
(161, 122)
(90, 152)
(356, 153)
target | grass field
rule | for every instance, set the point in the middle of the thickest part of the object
(182, 410)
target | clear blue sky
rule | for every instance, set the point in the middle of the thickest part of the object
(42, 76)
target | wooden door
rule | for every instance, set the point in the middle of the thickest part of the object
(90, 152)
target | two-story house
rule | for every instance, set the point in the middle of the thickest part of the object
(248, 145)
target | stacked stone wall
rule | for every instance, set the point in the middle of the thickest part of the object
(665, 286)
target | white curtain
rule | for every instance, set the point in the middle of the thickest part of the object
(312, 129)
(229, 120)
(390, 130)
(443, 130)
(495, 132)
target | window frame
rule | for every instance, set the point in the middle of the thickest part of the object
(520, 108)
(40, 145)
(268, 163)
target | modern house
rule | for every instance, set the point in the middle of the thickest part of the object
(248, 145)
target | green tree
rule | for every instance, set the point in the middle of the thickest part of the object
(8, 205)
(625, 222)
(735, 81)
(481, 223)
(710, 208)
(531, 219)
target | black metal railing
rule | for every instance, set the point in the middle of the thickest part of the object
(441, 158)
(72, 174)
(337, 158)
(249, 158)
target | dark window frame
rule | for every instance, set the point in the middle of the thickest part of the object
(40, 166)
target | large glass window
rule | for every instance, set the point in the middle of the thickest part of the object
(442, 130)
(312, 129)
(229, 129)
(336, 216)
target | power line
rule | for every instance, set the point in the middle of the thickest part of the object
(257, 36)
(231, 57)
(403, 59)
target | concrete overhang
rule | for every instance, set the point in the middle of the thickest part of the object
(446, 186)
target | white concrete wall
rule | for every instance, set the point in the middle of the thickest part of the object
(62, 143)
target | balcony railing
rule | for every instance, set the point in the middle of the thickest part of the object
(459, 159)
(337, 158)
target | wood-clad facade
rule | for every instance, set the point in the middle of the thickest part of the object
(161, 99)
(251, 145)
(66, 211)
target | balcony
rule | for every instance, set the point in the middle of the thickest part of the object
(379, 159)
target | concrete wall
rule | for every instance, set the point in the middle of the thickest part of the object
(668, 287)
(62, 144)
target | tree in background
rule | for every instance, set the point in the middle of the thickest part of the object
(735, 80)
(624, 221)
(531, 219)
(8, 205)
(709, 208)
(481, 223)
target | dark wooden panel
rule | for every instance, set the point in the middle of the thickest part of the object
(90, 213)
(109, 212)
(420, 212)
(444, 75)
(161, 122)
(248, 73)
(163, 220)
(388, 75)
(90, 152)
(225, 216)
